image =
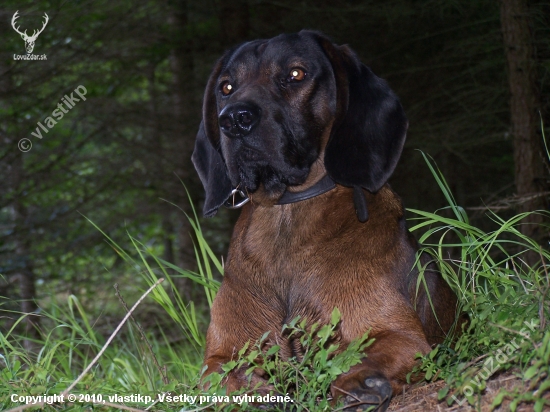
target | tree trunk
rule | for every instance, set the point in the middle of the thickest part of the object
(234, 21)
(160, 144)
(524, 111)
(25, 271)
(23, 274)
(181, 65)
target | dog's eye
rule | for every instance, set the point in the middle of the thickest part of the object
(226, 88)
(296, 75)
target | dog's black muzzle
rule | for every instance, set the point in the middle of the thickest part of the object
(239, 119)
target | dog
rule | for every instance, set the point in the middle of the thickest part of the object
(304, 137)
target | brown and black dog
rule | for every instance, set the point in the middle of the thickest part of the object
(309, 135)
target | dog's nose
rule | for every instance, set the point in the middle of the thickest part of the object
(238, 120)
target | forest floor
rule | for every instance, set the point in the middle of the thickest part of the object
(423, 398)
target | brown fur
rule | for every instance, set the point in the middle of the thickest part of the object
(306, 258)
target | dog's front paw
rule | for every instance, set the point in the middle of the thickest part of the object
(375, 395)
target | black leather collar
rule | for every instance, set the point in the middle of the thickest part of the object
(322, 186)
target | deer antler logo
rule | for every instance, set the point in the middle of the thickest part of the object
(29, 40)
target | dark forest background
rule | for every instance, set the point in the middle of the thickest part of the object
(119, 158)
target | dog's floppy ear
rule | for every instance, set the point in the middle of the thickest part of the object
(213, 173)
(206, 158)
(370, 127)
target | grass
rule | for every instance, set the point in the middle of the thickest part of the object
(506, 301)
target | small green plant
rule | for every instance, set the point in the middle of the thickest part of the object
(304, 380)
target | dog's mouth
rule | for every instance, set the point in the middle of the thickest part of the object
(274, 181)
(269, 159)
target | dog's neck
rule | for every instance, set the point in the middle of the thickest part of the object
(322, 186)
(317, 183)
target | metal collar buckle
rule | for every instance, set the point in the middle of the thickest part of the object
(232, 202)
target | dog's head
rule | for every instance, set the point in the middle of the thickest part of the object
(272, 108)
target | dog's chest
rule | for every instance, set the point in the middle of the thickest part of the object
(285, 241)
(296, 253)
(305, 261)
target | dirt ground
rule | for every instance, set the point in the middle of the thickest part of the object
(424, 398)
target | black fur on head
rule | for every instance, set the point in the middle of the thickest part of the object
(207, 157)
(368, 127)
